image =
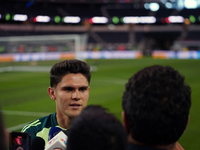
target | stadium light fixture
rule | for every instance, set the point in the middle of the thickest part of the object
(191, 4)
(128, 20)
(175, 19)
(71, 19)
(42, 19)
(154, 6)
(136, 20)
(146, 6)
(98, 20)
(20, 17)
(148, 19)
(168, 5)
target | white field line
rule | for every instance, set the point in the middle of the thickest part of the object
(22, 113)
(18, 127)
(32, 68)
(111, 81)
(25, 68)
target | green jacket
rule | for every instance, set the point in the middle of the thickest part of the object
(41, 127)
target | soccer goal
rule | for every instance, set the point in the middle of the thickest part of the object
(31, 49)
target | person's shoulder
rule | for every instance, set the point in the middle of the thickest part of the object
(38, 124)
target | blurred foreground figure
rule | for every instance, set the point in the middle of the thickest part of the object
(96, 129)
(3, 135)
(156, 104)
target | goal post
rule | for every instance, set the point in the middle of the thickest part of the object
(22, 53)
(71, 43)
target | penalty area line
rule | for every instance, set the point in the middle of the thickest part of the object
(22, 113)
(17, 127)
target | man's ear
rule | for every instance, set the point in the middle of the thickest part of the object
(187, 123)
(188, 119)
(51, 92)
(125, 122)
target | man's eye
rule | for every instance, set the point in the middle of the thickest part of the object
(68, 89)
(83, 89)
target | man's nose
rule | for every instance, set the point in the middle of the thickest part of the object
(76, 94)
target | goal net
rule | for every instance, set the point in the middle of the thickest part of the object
(16, 51)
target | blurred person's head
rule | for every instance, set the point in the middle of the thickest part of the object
(19, 147)
(96, 129)
(156, 104)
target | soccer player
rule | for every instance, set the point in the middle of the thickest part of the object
(156, 104)
(69, 88)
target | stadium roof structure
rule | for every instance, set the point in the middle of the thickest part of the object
(22, 17)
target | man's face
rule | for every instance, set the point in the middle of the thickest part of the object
(71, 94)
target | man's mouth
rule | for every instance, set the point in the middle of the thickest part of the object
(75, 106)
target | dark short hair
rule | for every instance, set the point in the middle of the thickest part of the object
(156, 102)
(96, 129)
(62, 68)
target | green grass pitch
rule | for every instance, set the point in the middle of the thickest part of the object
(23, 92)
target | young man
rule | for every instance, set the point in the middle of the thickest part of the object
(69, 88)
(96, 129)
(156, 104)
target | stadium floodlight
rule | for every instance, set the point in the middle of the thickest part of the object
(154, 6)
(130, 19)
(42, 19)
(145, 19)
(71, 19)
(191, 4)
(100, 20)
(146, 5)
(168, 5)
(148, 19)
(175, 19)
(20, 17)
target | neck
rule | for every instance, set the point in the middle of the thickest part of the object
(166, 147)
(63, 120)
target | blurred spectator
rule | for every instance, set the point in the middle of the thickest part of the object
(97, 48)
(121, 47)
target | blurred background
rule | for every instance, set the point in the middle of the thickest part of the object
(144, 25)
(116, 38)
